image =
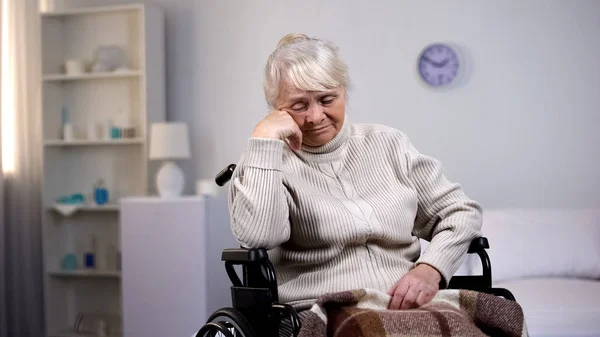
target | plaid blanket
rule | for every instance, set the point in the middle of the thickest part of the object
(363, 313)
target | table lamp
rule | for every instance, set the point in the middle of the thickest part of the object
(168, 142)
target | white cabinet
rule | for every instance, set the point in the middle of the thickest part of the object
(173, 277)
(130, 98)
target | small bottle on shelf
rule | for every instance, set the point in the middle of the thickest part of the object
(100, 193)
(107, 129)
(90, 255)
(63, 121)
(67, 132)
(69, 259)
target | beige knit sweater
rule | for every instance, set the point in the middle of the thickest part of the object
(349, 214)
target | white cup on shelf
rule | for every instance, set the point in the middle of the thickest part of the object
(68, 132)
(74, 67)
(108, 124)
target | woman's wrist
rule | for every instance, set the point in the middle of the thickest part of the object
(265, 130)
(260, 133)
(432, 273)
(263, 153)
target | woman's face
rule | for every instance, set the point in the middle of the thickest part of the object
(319, 114)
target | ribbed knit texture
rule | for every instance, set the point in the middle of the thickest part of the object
(349, 214)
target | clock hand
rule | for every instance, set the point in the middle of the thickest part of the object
(444, 62)
(425, 58)
(435, 64)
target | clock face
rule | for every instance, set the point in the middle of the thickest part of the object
(438, 65)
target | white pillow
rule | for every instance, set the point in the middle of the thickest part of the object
(541, 243)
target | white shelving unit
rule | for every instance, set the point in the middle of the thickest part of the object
(74, 166)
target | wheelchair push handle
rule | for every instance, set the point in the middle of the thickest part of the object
(225, 175)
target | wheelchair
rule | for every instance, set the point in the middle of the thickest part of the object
(256, 311)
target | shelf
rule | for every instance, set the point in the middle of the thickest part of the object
(91, 76)
(84, 142)
(86, 273)
(91, 10)
(100, 208)
(94, 208)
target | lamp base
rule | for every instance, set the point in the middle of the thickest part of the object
(170, 180)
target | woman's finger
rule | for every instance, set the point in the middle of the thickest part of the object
(410, 298)
(296, 137)
(395, 302)
(399, 294)
(423, 298)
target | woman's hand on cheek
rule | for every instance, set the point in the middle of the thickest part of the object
(279, 125)
(416, 288)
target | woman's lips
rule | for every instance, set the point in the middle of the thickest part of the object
(320, 129)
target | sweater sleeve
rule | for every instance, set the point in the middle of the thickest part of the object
(257, 197)
(446, 217)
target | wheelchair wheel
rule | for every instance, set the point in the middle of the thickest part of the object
(233, 320)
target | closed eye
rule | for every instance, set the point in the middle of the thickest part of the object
(327, 100)
(298, 107)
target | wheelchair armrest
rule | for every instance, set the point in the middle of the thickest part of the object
(243, 255)
(258, 271)
(478, 245)
(481, 282)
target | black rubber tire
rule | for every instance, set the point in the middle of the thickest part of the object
(234, 318)
(212, 329)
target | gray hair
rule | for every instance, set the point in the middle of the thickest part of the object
(310, 64)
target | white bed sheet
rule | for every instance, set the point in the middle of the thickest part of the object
(558, 306)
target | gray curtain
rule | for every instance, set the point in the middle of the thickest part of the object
(21, 269)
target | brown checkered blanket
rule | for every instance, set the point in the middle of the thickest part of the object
(363, 313)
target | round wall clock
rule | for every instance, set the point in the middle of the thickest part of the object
(439, 64)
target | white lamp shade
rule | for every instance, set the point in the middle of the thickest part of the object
(169, 141)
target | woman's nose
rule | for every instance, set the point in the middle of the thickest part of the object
(315, 115)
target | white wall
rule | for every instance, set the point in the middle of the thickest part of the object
(521, 131)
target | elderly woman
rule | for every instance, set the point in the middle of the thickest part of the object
(342, 206)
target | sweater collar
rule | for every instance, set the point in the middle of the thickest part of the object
(331, 149)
